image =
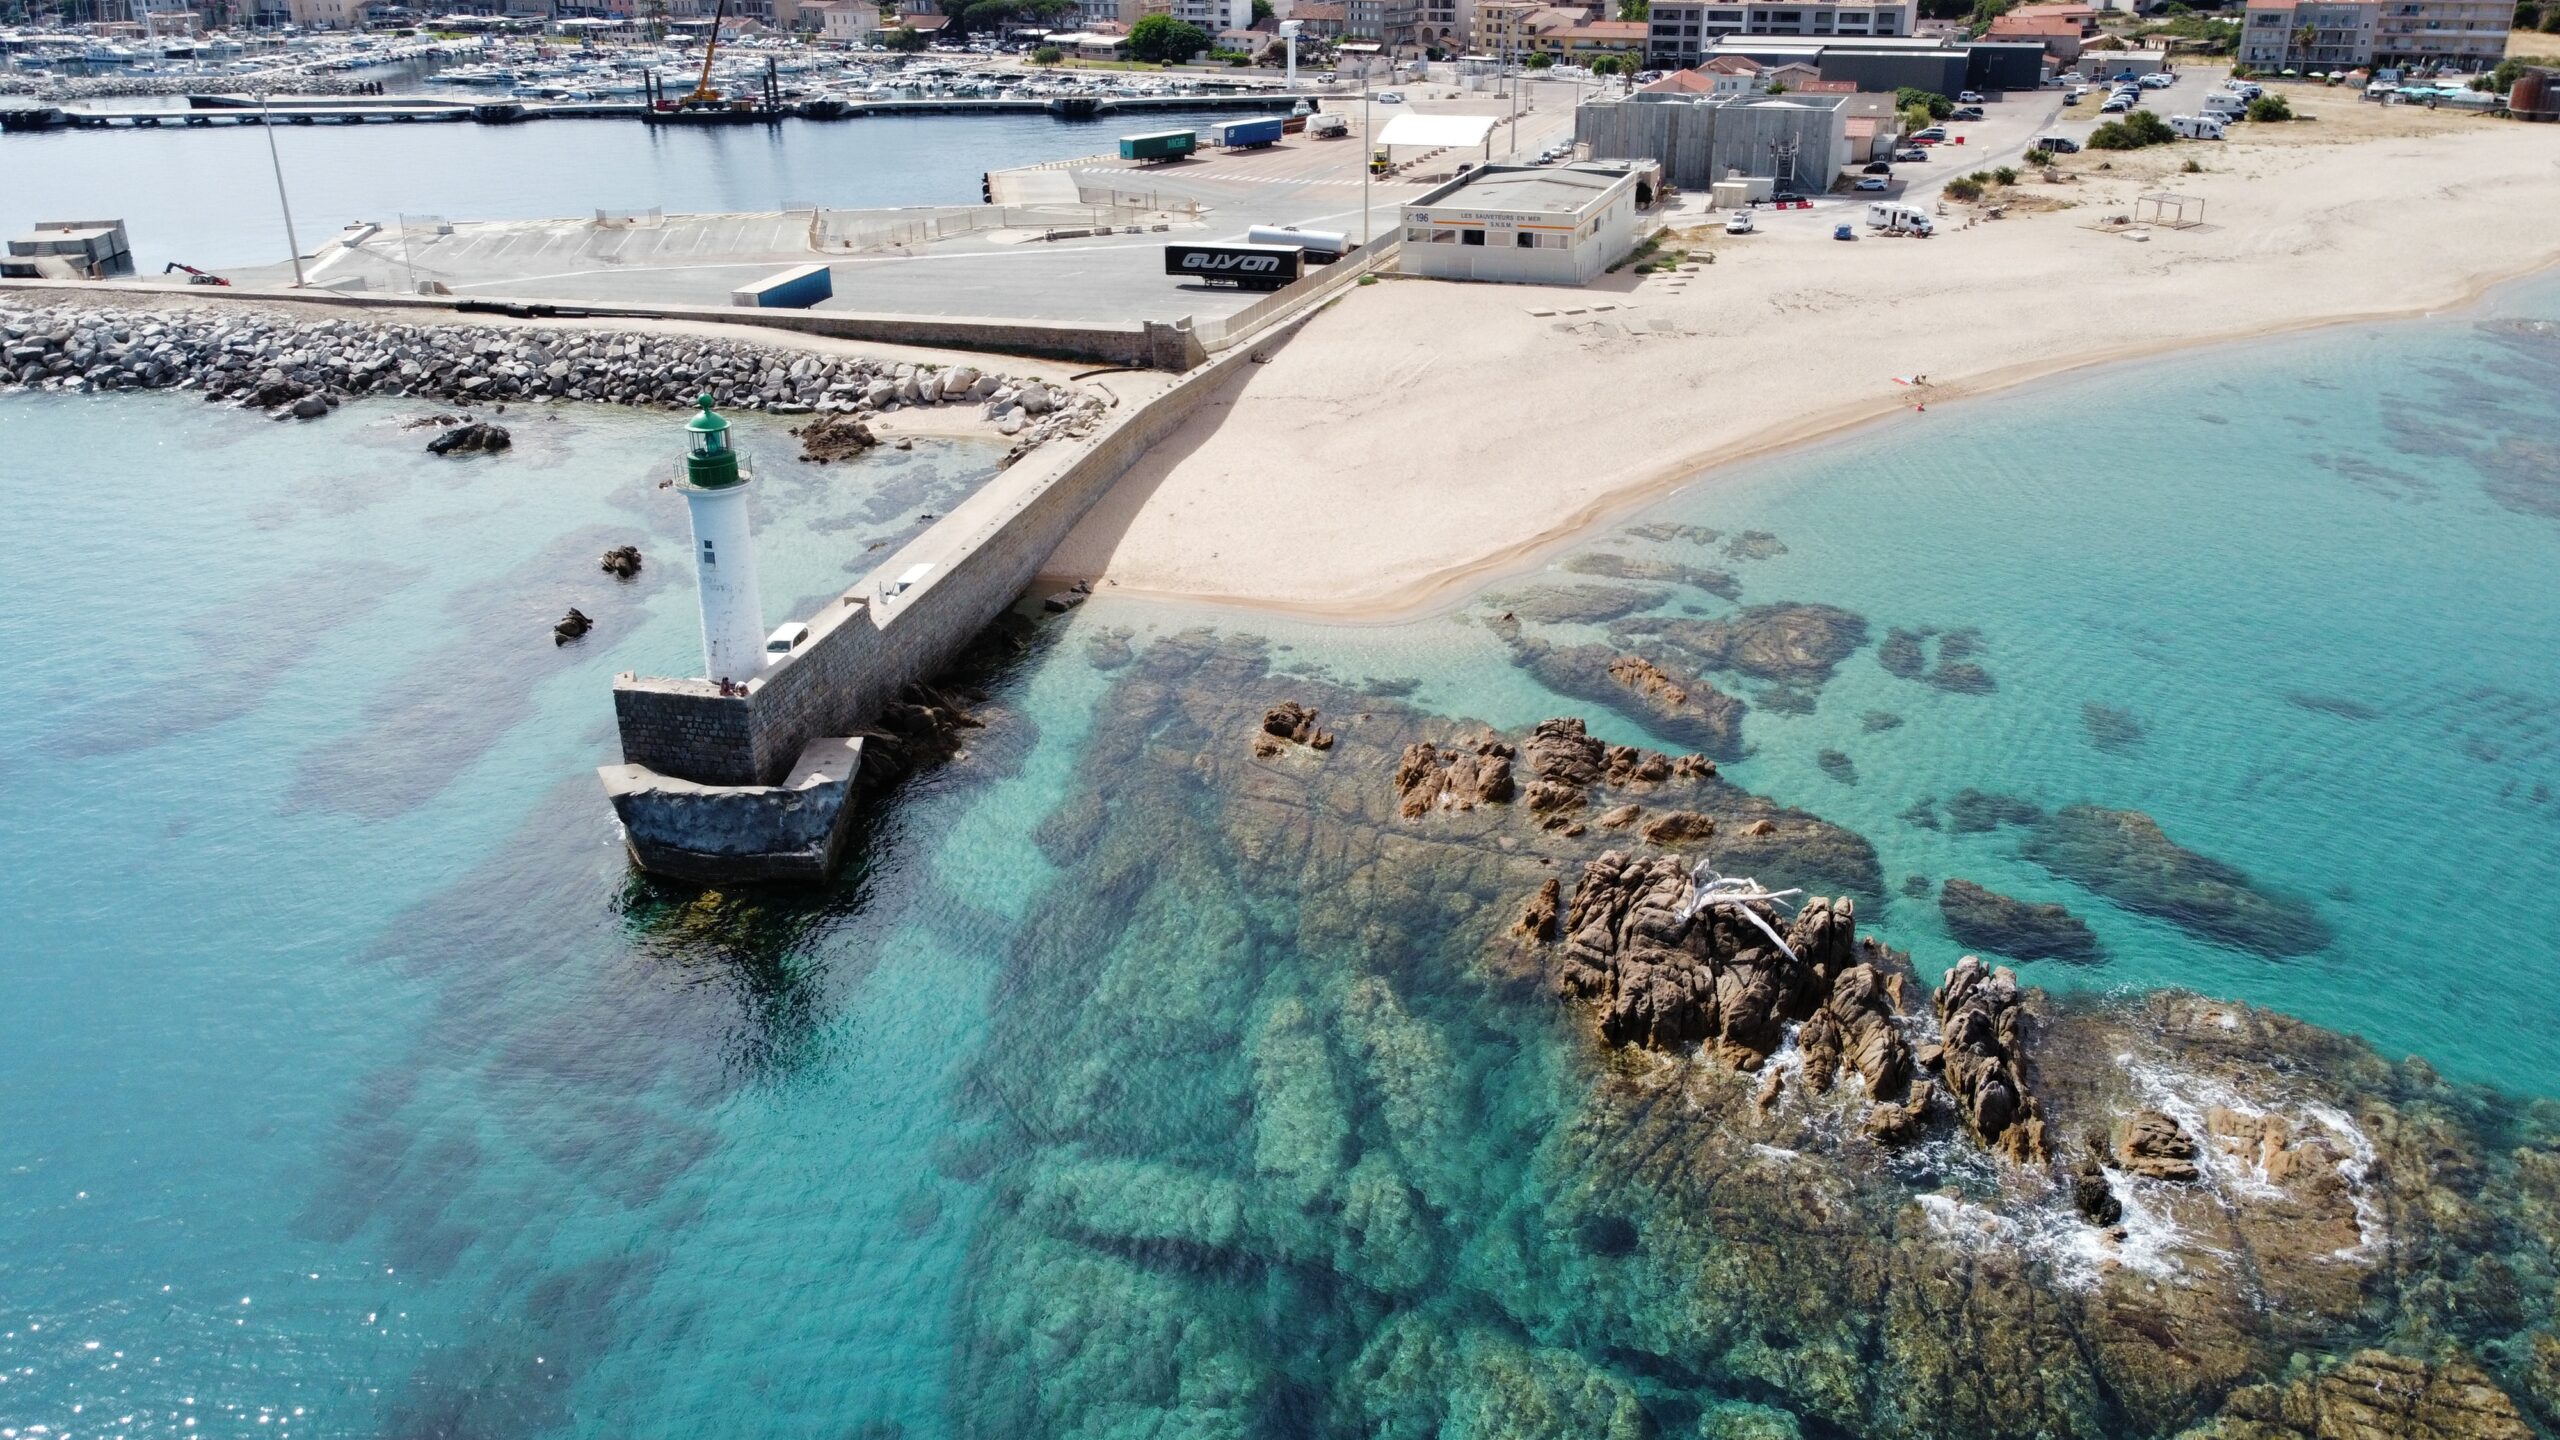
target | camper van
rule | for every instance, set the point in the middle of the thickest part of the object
(2224, 105)
(2195, 127)
(1895, 218)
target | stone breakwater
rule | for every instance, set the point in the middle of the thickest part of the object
(268, 362)
(284, 80)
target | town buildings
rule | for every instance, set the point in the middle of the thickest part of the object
(1680, 32)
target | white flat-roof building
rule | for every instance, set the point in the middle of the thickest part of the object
(1522, 225)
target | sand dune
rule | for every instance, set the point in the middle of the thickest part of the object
(1420, 436)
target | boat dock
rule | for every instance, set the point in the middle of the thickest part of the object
(207, 111)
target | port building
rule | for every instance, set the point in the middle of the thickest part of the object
(1523, 225)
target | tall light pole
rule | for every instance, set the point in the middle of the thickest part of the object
(1368, 162)
(266, 122)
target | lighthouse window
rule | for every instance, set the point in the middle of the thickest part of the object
(707, 557)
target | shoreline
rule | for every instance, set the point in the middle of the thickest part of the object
(1451, 586)
(1420, 439)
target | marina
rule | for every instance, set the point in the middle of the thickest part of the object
(208, 111)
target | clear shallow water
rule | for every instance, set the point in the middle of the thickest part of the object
(328, 991)
(207, 197)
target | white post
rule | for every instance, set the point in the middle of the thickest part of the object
(724, 567)
(1368, 165)
(266, 122)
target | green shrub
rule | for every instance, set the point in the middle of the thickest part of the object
(1964, 187)
(2006, 174)
(2039, 158)
(1930, 102)
(1047, 55)
(2191, 168)
(2270, 107)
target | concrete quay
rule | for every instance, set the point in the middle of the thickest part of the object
(721, 835)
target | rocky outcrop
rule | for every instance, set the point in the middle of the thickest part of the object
(1981, 1056)
(1460, 777)
(572, 626)
(2150, 1144)
(1537, 922)
(471, 438)
(1289, 723)
(1579, 604)
(2375, 1395)
(1664, 976)
(622, 562)
(1675, 828)
(833, 437)
(2125, 856)
(1984, 919)
(1625, 567)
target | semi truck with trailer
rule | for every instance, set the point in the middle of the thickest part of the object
(1159, 145)
(1247, 267)
(1254, 134)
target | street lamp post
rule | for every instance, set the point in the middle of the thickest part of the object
(1368, 161)
(266, 122)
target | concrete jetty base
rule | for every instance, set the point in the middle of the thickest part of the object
(722, 834)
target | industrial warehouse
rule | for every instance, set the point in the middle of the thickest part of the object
(1525, 226)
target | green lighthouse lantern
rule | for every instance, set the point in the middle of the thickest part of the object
(711, 464)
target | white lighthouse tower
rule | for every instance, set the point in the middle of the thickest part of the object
(724, 552)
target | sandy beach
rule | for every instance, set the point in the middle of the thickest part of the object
(1419, 437)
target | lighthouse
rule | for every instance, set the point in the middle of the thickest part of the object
(724, 552)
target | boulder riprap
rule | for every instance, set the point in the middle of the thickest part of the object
(255, 357)
(472, 438)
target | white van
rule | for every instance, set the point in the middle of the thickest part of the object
(1899, 219)
(2195, 127)
(2224, 106)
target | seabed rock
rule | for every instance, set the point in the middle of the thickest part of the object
(477, 438)
(1987, 920)
(2125, 856)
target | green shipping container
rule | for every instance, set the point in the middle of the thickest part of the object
(1162, 145)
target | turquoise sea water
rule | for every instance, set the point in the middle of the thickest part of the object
(357, 1089)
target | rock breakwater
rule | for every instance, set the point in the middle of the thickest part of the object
(267, 362)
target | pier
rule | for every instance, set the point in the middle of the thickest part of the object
(208, 111)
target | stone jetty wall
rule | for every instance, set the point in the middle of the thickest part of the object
(865, 646)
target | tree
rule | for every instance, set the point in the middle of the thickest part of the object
(906, 38)
(1261, 11)
(1938, 106)
(2269, 107)
(1612, 65)
(1541, 60)
(2302, 41)
(1047, 55)
(1165, 40)
(1635, 9)
(2528, 15)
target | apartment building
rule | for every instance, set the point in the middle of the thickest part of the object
(1388, 22)
(1680, 31)
(2345, 34)
(2466, 35)
(1448, 24)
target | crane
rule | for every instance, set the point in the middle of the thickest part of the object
(703, 94)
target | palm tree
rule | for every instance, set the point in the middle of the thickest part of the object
(2302, 41)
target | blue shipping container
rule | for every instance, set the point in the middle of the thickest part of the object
(1249, 134)
(797, 288)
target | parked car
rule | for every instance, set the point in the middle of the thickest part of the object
(2072, 97)
(1873, 182)
(1912, 152)
(1739, 223)
(1876, 167)
(2116, 105)
(1967, 112)
(1389, 97)
(1970, 97)
(1930, 136)
(1788, 197)
(2059, 145)
(2158, 80)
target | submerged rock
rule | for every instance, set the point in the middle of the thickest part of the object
(1580, 604)
(1791, 642)
(2110, 728)
(1978, 812)
(473, 438)
(1982, 919)
(2125, 856)
(1623, 567)
(1292, 723)
(1682, 709)
(834, 436)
